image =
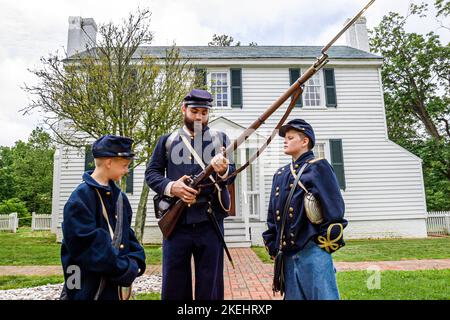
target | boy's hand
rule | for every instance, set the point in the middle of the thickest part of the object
(182, 191)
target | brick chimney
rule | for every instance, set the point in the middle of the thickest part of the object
(357, 35)
(82, 35)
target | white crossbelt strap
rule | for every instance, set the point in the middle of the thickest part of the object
(295, 177)
(198, 159)
(105, 215)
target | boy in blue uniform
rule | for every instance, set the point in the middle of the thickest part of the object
(87, 252)
(173, 160)
(306, 244)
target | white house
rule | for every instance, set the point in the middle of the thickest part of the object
(381, 182)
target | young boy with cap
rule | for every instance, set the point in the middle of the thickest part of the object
(100, 254)
(300, 242)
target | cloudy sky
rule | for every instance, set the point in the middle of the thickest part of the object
(32, 29)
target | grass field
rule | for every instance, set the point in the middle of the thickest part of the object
(393, 285)
(26, 248)
(17, 282)
(385, 250)
(396, 285)
(40, 248)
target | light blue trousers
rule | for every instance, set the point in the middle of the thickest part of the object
(310, 275)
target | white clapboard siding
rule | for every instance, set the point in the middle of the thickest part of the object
(383, 180)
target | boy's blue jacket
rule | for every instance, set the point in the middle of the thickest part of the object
(87, 243)
(320, 180)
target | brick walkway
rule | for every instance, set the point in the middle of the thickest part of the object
(252, 279)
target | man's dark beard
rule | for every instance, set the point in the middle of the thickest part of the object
(191, 124)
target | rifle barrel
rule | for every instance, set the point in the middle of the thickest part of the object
(348, 25)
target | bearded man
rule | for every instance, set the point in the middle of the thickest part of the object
(178, 156)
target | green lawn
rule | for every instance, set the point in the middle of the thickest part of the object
(385, 250)
(394, 285)
(17, 282)
(148, 296)
(40, 248)
(28, 247)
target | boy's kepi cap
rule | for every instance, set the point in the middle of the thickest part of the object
(112, 146)
(299, 125)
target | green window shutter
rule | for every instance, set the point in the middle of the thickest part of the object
(89, 163)
(130, 179)
(236, 88)
(200, 78)
(337, 161)
(294, 74)
(330, 88)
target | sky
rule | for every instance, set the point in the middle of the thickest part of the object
(30, 30)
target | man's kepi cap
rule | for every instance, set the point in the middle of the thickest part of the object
(199, 99)
(112, 146)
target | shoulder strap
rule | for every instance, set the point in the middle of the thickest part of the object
(314, 160)
(105, 214)
(215, 137)
(288, 202)
(169, 142)
(116, 236)
(118, 231)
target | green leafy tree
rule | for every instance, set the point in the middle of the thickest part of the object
(224, 40)
(33, 171)
(114, 88)
(16, 205)
(7, 188)
(416, 78)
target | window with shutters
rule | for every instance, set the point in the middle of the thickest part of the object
(333, 152)
(337, 161)
(89, 163)
(312, 96)
(219, 88)
(319, 90)
(319, 150)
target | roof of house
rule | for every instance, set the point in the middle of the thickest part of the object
(255, 52)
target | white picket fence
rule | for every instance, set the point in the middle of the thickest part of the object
(41, 221)
(438, 223)
(9, 222)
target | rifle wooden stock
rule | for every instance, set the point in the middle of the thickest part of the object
(170, 218)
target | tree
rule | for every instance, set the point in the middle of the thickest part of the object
(33, 171)
(18, 206)
(101, 90)
(114, 88)
(7, 188)
(163, 117)
(224, 40)
(416, 78)
(26, 172)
